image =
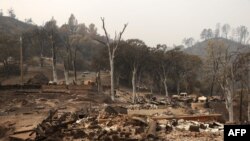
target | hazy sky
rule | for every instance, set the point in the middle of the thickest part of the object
(153, 21)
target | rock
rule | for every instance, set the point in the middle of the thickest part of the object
(218, 124)
(195, 122)
(79, 121)
(194, 128)
(162, 126)
(203, 126)
(214, 130)
(215, 125)
(169, 128)
(221, 128)
(180, 121)
(174, 122)
(182, 127)
(202, 99)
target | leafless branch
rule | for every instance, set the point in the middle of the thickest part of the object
(107, 38)
(104, 28)
(120, 36)
(115, 35)
(100, 41)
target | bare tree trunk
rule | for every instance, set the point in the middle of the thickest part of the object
(212, 86)
(98, 79)
(6, 68)
(66, 74)
(241, 103)
(248, 97)
(21, 60)
(229, 104)
(139, 80)
(54, 71)
(133, 85)
(74, 66)
(231, 112)
(54, 63)
(41, 61)
(111, 50)
(41, 55)
(68, 62)
(166, 87)
(117, 80)
(112, 79)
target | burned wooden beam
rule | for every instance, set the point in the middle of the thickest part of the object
(24, 131)
(211, 117)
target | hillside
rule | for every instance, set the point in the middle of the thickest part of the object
(10, 29)
(199, 48)
(12, 26)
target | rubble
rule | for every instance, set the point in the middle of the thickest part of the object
(111, 125)
(79, 115)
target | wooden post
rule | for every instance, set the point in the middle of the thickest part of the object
(21, 59)
(151, 133)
